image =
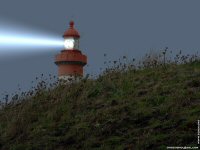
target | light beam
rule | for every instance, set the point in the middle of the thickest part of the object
(18, 40)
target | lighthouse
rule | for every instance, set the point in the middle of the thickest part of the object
(70, 61)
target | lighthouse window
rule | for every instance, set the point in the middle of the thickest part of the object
(69, 43)
(76, 45)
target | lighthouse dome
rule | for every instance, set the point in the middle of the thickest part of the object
(71, 32)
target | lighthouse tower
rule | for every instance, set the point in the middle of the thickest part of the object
(70, 61)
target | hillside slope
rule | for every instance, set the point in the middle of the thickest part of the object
(134, 109)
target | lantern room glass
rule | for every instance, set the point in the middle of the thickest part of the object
(71, 43)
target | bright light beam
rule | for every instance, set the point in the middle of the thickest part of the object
(18, 40)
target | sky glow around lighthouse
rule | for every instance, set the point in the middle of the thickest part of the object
(21, 40)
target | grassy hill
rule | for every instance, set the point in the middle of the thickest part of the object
(124, 108)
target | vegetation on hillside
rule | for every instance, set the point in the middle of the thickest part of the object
(151, 105)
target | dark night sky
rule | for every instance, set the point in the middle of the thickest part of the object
(118, 28)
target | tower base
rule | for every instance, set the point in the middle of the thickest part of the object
(69, 79)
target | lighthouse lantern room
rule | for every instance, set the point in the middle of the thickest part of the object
(70, 61)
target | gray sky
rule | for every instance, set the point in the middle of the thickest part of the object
(114, 27)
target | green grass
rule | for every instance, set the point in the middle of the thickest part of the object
(147, 108)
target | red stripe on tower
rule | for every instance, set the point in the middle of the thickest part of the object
(70, 61)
